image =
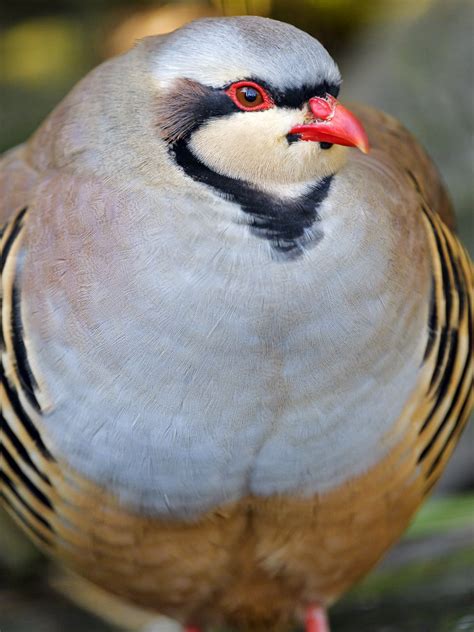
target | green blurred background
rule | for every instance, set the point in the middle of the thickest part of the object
(412, 58)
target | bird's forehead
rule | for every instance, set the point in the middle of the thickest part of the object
(216, 52)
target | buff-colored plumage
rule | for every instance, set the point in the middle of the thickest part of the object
(94, 211)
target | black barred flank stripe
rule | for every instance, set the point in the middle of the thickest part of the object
(447, 289)
(449, 383)
(443, 350)
(21, 450)
(16, 227)
(22, 363)
(445, 380)
(21, 518)
(449, 438)
(448, 337)
(444, 337)
(23, 418)
(452, 406)
(432, 322)
(414, 179)
(457, 395)
(459, 286)
(6, 480)
(19, 461)
(2, 428)
(2, 337)
(37, 493)
(25, 374)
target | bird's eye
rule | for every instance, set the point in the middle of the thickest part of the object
(249, 96)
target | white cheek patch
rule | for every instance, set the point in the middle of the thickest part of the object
(253, 146)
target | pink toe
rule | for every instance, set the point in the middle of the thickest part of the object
(316, 620)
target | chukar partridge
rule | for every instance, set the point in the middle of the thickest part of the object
(237, 352)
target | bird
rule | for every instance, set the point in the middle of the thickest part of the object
(236, 329)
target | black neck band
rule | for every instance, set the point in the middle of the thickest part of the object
(291, 226)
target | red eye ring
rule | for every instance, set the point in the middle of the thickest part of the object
(262, 102)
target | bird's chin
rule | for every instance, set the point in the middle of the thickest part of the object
(284, 164)
(310, 161)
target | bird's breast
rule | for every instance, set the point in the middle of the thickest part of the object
(200, 371)
(233, 391)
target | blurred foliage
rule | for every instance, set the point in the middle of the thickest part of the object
(443, 515)
(36, 52)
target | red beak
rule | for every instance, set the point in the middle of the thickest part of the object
(332, 123)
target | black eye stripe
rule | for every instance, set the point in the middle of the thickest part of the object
(295, 97)
(202, 103)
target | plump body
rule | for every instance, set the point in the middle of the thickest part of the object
(225, 433)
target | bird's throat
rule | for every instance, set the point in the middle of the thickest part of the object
(291, 225)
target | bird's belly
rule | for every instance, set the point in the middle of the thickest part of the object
(254, 562)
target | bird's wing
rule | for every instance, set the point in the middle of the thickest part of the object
(446, 396)
(443, 399)
(61, 511)
(31, 480)
(25, 461)
(389, 135)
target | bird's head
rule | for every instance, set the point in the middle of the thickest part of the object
(246, 107)
(252, 99)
